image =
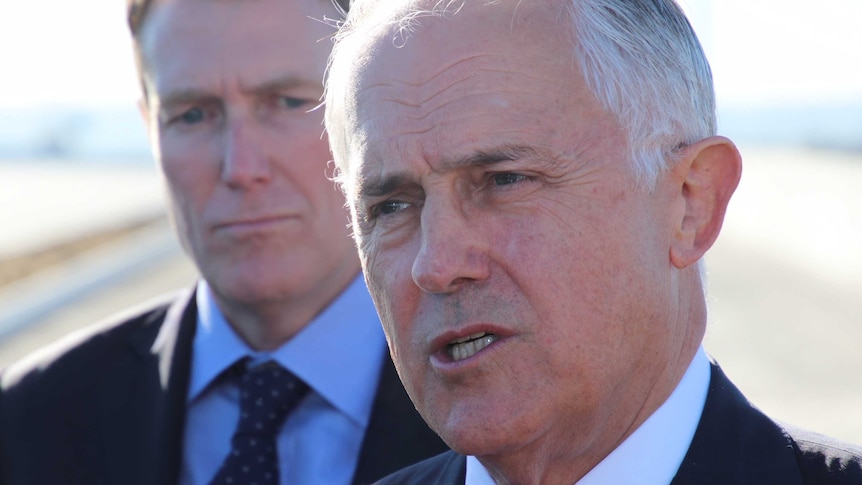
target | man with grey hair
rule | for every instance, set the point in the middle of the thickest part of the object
(532, 186)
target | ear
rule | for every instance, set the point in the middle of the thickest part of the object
(710, 171)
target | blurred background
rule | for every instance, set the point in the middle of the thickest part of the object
(84, 232)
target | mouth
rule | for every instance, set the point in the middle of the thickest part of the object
(466, 347)
(252, 223)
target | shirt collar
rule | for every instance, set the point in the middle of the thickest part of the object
(653, 453)
(338, 354)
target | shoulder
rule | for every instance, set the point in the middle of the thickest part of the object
(448, 468)
(826, 460)
(736, 443)
(89, 348)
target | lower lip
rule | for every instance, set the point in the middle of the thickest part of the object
(443, 362)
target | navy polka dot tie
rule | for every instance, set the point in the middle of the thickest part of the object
(268, 393)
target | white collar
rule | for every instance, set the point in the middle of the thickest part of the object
(653, 453)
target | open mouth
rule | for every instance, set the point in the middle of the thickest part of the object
(470, 345)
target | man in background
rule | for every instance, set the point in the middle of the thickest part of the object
(274, 368)
(533, 185)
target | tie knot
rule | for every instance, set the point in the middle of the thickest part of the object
(268, 393)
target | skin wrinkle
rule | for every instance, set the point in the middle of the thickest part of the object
(424, 116)
(372, 122)
(449, 86)
(370, 192)
(379, 189)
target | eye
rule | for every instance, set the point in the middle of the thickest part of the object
(386, 208)
(391, 207)
(291, 102)
(191, 116)
(508, 178)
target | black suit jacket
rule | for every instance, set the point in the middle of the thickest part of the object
(107, 406)
(734, 444)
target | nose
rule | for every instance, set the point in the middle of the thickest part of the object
(246, 161)
(453, 250)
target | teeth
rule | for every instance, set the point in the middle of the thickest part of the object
(467, 338)
(467, 347)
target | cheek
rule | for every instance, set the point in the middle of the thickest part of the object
(190, 163)
(390, 307)
(571, 265)
(388, 274)
(190, 173)
(188, 185)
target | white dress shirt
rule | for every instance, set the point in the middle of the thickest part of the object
(339, 355)
(653, 453)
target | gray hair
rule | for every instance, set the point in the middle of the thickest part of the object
(643, 62)
(641, 59)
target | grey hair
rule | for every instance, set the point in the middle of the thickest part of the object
(644, 63)
(641, 59)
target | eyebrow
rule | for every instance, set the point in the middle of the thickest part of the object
(383, 186)
(374, 188)
(484, 158)
(284, 83)
(182, 96)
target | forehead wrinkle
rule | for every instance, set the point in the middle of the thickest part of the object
(410, 121)
(365, 143)
(487, 66)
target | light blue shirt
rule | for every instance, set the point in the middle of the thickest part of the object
(339, 355)
(653, 453)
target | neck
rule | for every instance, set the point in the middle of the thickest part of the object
(266, 324)
(552, 467)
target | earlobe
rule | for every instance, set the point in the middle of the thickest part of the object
(712, 168)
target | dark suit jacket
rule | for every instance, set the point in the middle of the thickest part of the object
(107, 406)
(734, 444)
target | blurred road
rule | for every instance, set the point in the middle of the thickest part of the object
(785, 289)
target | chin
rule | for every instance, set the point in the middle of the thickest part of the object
(480, 433)
(252, 291)
(253, 284)
(485, 442)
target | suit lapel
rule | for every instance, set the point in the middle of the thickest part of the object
(452, 472)
(448, 468)
(143, 409)
(736, 443)
(396, 435)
